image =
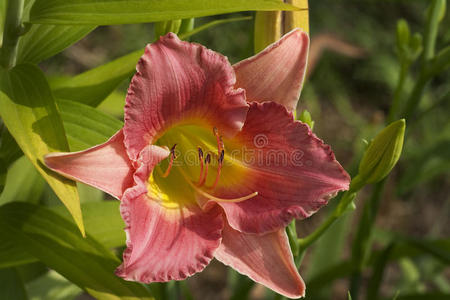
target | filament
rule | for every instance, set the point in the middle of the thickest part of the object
(205, 174)
(219, 168)
(172, 158)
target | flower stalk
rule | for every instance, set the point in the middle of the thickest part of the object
(270, 26)
(13, 31)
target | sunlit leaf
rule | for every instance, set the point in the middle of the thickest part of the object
(86, 126)
(44, 41)
(106, 12)
(93, 86)
(30, 114)
(55, 241)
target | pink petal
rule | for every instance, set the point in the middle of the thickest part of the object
(180, 82)
(164, 243)
(266, 259)
(292, 170)
(106, 166)
(276, 74)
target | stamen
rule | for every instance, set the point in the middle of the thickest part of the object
(219, 168)
(214, 198)
(172, 158)
(200, 156)
(205, 174)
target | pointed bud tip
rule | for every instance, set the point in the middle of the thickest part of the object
(383, 153)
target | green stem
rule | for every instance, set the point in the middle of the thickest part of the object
(346, 199)
(416, 95)
(431, 30)
(12, 32)
(361, 243)
(291, 231)
(396, 102)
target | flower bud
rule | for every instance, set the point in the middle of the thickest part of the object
(305, 117)
(403, 36)
(382, 153)
(270, 26)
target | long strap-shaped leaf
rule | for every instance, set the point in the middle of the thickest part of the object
(107, 12)
(30, 114)
(55, 241)
(105, 227)
(44, 41)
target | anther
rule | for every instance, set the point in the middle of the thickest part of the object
(221, 157)
(200, 157)
(172, 158)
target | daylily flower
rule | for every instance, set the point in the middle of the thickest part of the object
(210, 163)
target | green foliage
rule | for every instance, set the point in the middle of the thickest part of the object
(44, 41)
(86, 126)
(12, 285)
(55, 241)
(107, 12)
(110, 235)
(31, 116)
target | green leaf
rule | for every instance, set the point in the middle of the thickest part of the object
(53, 286)
(30, 114)
(96, 215)
(23, 183)
(12, 285)
(93, 86)
(106, 12)
(86, 126)
(44, 41)
(54, 240)
(103, 222)
(9, 152)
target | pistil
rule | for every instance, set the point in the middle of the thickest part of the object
(214, 198)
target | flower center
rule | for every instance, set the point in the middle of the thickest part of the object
(194, 167)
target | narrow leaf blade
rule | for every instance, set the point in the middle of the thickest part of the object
(107, 12)
(30, 114)
(44, 41)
